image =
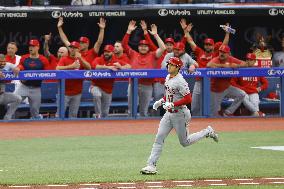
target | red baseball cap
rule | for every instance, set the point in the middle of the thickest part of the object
(217, 45)
(34, 42)
(75, 44)
(179, 46)
(109, 48)
(169, 40)
(225, 48)
(250, 56)
(84, 40)
(143, 42)
(209, 41)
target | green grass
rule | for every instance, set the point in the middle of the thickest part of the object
(120, 158)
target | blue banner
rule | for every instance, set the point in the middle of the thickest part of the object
(99, 74)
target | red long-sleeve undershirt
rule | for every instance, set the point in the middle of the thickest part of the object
(184, 101)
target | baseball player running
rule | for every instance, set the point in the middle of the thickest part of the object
(177, 115)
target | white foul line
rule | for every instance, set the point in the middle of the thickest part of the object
(90, 184)
(184, 185)
(126, 183)
(277, 182)
(249, 183)
(218, 184)
(274, 178)
(181, 181)
(155, 186)
(153, 182)
(57, 185)
(213, 180)
(242, 179)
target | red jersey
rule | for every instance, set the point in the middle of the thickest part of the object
(89, 55)
(250, 84)
(10, 59)
(125, 59)
(220, 84)
(72, 86)
(139, 61)
(202, 58)
(105, 84)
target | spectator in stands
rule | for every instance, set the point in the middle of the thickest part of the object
(143, 59)
(250, 85)
(53, 61)
(87, 54)
(202, 57)
(101, 89)
(73, 87)
(221, 87)
(7, 98)
(31, 89)
(278, 57)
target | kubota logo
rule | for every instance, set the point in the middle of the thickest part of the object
(172, 12)
(67, 14)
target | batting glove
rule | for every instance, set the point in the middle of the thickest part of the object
(157, 104)
(168, 105)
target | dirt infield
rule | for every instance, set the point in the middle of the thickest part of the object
(22, 130)
(16, 130)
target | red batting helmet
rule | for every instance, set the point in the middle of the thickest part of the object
(175, 61)
(250, 56)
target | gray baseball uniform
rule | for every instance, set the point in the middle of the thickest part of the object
(178, 118)
(185, 58)
(7, 98)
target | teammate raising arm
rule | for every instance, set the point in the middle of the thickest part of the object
(178, 116)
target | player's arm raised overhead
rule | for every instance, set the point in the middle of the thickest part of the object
(131, 27)
(63, 36)
(46, 45)
(152, 46)
(186, 29)
(99, 42)
(227, 35)
(161, 44)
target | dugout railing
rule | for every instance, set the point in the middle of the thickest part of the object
(134, 75)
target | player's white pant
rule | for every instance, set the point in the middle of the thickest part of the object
(144, 98)
(216, 100)
(196, 104)
(34, 96)
(251, 102)
(102, 101)
(179, 121)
